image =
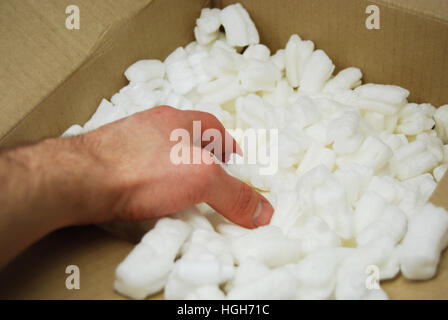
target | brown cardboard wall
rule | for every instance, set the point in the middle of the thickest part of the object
(97, 254)
(144, 36)
(38, 52)
(437, 9)
(410, 50)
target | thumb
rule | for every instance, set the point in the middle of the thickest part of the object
(237, 201)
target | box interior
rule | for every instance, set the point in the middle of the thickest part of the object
(409, 50)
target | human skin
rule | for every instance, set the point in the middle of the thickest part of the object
(121, 171)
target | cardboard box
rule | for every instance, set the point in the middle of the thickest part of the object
(54, 77)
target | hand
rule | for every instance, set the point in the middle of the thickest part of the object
(136, 178)
(121, 171)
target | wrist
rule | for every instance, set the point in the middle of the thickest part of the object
(84, 183)
(65, 184)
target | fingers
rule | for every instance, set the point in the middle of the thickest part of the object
(209, 125)
(206, 182)
(203, 127)
(236, 200)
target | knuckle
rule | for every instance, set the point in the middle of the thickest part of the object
(163, 109)
(206, 117)
(211, 118)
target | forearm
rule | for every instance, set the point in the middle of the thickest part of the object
(44, 187)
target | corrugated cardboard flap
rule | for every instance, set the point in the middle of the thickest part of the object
(38, 51)
(433, 9)
(101, 72)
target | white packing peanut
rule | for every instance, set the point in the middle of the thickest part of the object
(388, 94)
(257, 51)
(262, 244)
(210, 292)
(74, 130)
(279, 96)
(315, 156)
(145, 70)
(439, 172)
(390, 224)
(220, 90)
(207, 26)
(441, 120)
(240, 29)
(414, 119)
(105, 114)
(427, 236)
(346, 79)
(179, 72)
(206, 261)
(277, 284)
(146, 269)
(353, 281)
(259, 75)
(315, 234)
(296, 54)
(279, 59)
(316, 71)
(316, 274)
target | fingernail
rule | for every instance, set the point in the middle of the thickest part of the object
(263, 213)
